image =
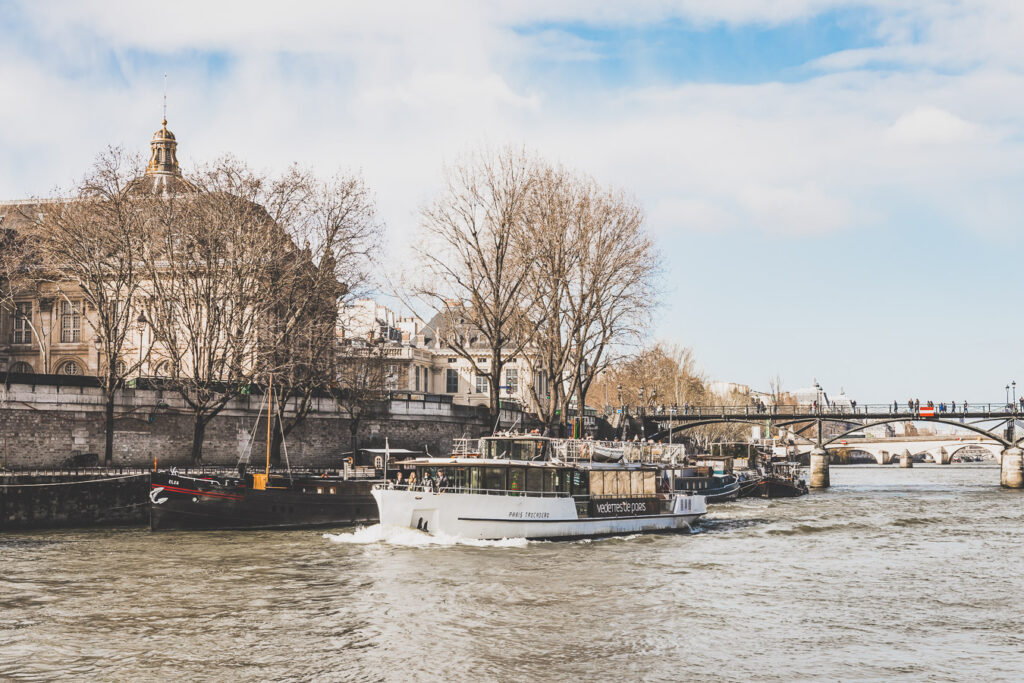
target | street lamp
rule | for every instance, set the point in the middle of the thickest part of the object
(1013, 387)
(98, 344)
(1007, 394)
(622, 411)
(140, 324)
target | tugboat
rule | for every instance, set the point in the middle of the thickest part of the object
(262, 500)
(535, 487)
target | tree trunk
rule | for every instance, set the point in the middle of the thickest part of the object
(353, 428)
(198, 433)
(108, 430)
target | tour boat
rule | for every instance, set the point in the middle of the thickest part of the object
(528, 486)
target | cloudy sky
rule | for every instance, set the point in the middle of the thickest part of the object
(836, 186)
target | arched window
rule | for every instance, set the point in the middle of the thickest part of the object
(69, 367)
(121, 367)
(21, 368)
(163, 369)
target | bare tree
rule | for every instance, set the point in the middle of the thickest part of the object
(90, 250)
(476, 273)
(210, 258)
(591, 282)
(360, 382)
(335, 222)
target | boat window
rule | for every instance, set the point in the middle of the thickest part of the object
(494, 478)
(516, 479)
(333, 490)
(597, 483)
(564, 481)
(534, 479)
(580, 483)
(474, 478)
(636, 483)
(650, 483)
(319, 489)
(550, 481)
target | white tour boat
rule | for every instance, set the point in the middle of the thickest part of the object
(528, 486)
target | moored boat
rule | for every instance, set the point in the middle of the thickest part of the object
(265, 500)
(182, 501)
(774, 480)
(522, 486)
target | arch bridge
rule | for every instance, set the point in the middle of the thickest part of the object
(995, 423)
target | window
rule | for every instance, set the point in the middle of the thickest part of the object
(534, 479)
(22, 318)
(21, 368)
(426, 379)
(121, 367)
(512, 380)
(516, 479)
(416, 371)
(69, 367)
(70, 321)
(481, 384)
(391, 378)
(494, 478)
(452, 381)
(163, 369)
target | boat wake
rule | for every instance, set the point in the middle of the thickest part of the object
(412, 538)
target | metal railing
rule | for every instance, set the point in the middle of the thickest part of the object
(430, 488)
(965, 409)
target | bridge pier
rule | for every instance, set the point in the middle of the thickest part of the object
(906, 459)
(819, 469)
(1011, 473)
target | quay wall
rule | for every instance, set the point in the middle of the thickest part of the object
(50, 501)
(42, 426)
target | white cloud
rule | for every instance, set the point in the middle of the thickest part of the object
(930, 124)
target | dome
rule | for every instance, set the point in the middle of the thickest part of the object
(163, 133)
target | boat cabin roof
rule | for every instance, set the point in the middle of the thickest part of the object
(504, 462)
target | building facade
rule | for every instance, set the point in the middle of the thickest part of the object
(419, 362)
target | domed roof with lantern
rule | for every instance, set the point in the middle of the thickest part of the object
(163, 175)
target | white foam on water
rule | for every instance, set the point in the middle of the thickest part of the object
(413, 538)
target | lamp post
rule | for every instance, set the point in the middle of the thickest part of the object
(622, 410)
(98, 344)
(1007, 394)
(140, 324)
(1013, 388)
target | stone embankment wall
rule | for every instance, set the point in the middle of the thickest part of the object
(42, 426)
(36, 502)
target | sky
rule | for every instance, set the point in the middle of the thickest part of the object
(835, 187)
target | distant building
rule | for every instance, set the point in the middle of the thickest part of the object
(419, 361)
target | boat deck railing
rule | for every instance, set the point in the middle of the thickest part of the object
(430, 488)
(586, 450)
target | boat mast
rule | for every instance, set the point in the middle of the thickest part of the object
(270, 412)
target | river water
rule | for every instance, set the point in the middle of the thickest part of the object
(890, 575)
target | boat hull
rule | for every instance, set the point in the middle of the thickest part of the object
(492, 517)
(769, 487)
(178, 502)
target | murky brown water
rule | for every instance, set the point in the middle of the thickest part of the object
(892, 574)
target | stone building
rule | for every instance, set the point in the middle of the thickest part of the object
(47, 331)
(418, 361)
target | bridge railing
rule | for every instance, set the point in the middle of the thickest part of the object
(857, 411)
